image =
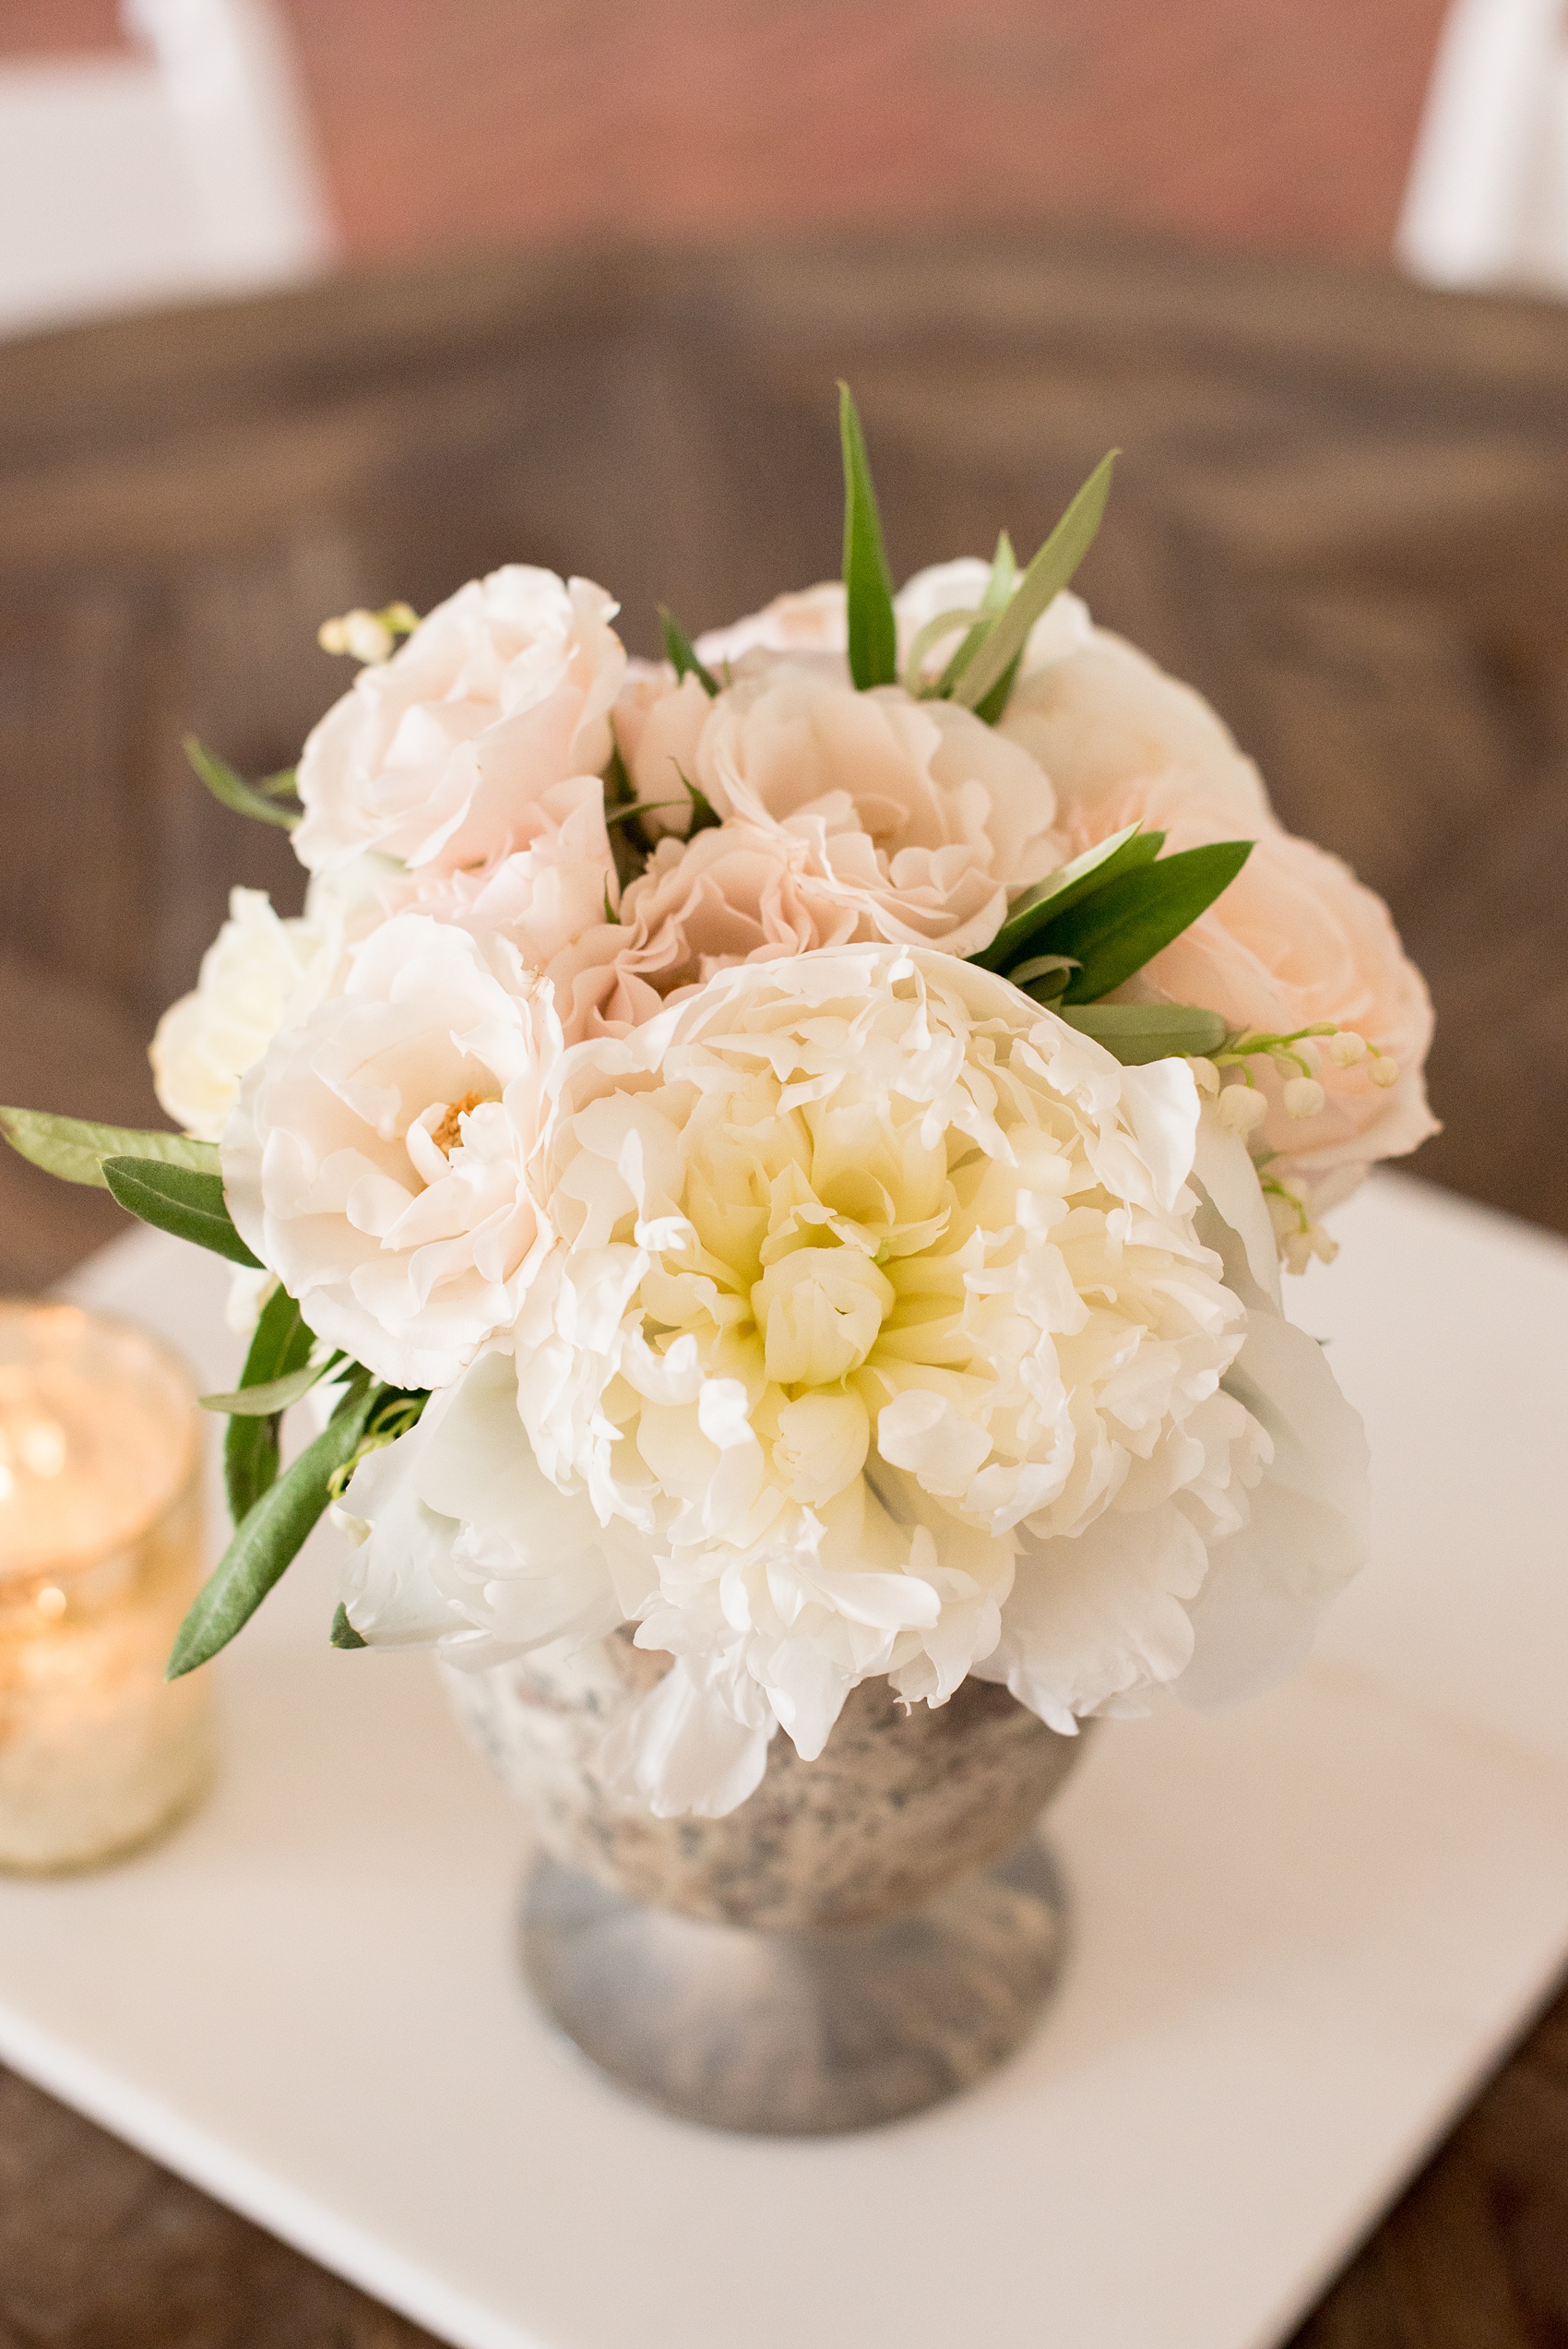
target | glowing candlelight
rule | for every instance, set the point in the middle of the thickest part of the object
(99, 1555)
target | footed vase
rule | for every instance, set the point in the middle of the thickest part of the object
(866, 1935)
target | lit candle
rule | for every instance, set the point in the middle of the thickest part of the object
(99, 1555)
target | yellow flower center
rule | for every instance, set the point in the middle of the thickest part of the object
(819, 1311)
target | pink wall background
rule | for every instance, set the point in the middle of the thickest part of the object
(1281, 126)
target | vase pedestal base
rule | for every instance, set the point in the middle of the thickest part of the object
(797, 2035)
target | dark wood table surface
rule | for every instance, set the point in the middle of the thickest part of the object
(1341, 512)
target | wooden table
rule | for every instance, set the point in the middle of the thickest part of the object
(1341, 513)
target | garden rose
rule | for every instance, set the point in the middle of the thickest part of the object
(1102, 718)
(807, 620)
(436, 755)
(870, 1277)
(734, 893)
(916, 816)
(549, 894)
(1296, 940)
(378, 1160)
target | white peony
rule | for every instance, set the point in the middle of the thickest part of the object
(261, 972)
(379, 1157)
(436, 755)
(872, 1277)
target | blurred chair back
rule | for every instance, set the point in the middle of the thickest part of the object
(129, 179)
(1487, 202)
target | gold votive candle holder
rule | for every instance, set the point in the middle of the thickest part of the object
(101, 1555)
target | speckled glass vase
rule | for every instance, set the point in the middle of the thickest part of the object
(868, 1934)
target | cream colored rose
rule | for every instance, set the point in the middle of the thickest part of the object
(1104, 719)
(436, 755)
(260, 973)
(807, 620)
(379, 1157)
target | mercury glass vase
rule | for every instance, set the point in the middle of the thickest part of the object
(867, 1935)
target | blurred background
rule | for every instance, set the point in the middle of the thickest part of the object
(306, 304)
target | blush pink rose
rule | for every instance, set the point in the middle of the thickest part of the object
(916, 816)
(659, 720)
(735, 893)
(1296, 940)
(434, 755)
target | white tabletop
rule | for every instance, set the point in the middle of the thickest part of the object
(1305, 1931)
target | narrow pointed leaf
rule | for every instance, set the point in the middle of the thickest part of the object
(1066, 887)
(1139, 1032)
(868, 583)
(233, 791)
(76, 1147)
(1048, 573)
(935, 632)
(998, 589)
(993, 708)
(178, 1199)
(1114, 932)
(681, 652)
(266, 1543)
(275, 1395)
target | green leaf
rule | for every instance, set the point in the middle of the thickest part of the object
(275, 1395)
(266, 1540)
(868, 583)
(280, 1346)
(1048, 573)
(1027, 974)
(1139, 1032)
(343, 1634)
(178, 1199)
(993, 708)
(75, 1148)
(998, 588)
(1114, 932)
(234, 792)
(682, 654)
(935, 631)
(1064, 888)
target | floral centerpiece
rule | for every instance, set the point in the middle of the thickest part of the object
(790, 1150)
